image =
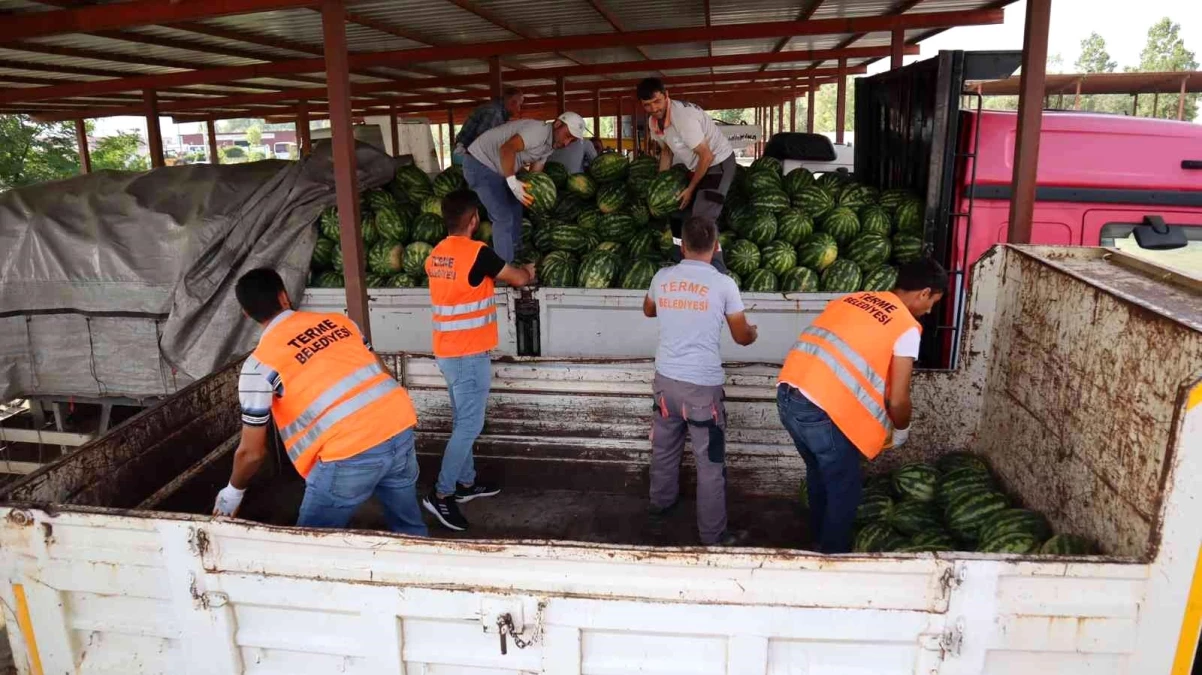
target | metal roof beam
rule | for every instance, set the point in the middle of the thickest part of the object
(91, 18)
(614, 21)
(804, 15)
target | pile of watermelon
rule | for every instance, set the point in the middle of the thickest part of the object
(956, 504)
(400, 225)
(799, 233)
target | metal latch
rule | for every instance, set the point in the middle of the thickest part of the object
(952, 640)
(505, 627)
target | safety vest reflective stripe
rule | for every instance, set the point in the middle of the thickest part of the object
(318, 406)
(339, 413)
(848, 381)
(851, 355)
(466, 308)
(464, 324)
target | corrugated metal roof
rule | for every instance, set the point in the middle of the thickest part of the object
(69, 62)
(440, 21)
(176, 36)
(650, 15)
(104, 45)
(741, 11)
(841, 9)
(550, 18)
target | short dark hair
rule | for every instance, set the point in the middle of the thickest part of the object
(457, 210)
(510, 91)
(258, 291)
(698, 234)
(647, 88)
(920, 274)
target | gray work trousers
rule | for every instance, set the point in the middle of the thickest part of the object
(696, 413)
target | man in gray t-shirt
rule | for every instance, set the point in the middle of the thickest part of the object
(491, 167)
(693, 301)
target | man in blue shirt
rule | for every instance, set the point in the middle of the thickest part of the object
(486, 116)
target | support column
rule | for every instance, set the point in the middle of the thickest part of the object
(1077, 96)
(440, 162)
(154, 136)
(304, 137)
(1030, 120)
(810, 107)
(1181, 100)
(561, 105)
(396, 135)
(346, 180)
(792, 109)
(897, 48)
(597, 113)
(494, 76)
(211, 131)
(451, 124)
(841, 103)
(1135, 106)
(81, 139)
(618, 125)
(1155, 104)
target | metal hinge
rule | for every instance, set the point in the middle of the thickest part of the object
(951, 640)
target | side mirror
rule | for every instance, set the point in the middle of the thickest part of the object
(1157, 235)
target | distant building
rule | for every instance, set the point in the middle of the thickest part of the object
(278, 143)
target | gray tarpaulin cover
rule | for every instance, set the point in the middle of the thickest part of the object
(121, 284)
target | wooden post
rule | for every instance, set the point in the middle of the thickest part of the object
(346, 180)
(211, 131)
(1030, 120)
(841, 103)
(561, 105)
(1181, 100)
(494, 76)
(1077, 96)
(395, 121)
(304, 138)
(154, 135)
(1155, 104)
(81, 140)
(597, 113)
(451, 124)
(1135, 106)
(810, 107)
(897, 48)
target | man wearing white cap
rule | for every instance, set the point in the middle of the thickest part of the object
(493, 161)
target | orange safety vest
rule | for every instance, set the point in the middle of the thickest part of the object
(337, 399)
(465, 316)
(841, 362)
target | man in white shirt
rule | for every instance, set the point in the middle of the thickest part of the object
(687, 135)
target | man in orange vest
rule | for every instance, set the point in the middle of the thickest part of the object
(845, 388)
(346, 424)
(462, 273)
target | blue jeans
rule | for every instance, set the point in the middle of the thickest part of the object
(335, 489)
(503, 208)
(832, 469)
(468, 380)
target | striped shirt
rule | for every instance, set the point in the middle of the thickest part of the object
(258, 385)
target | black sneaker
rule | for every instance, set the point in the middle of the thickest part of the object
(466, 494)
(731, 538)
(663, 510)
(446, 511)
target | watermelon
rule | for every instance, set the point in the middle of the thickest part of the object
(797, 180)
(762, 281)
(962, 481)
(743, 218)
(778, 257)
(874, 219)
(831, 180)
(414, 260)
(906, 248)
(967, 512)
(380, 200)
(638, 188)
(640, 213)
(869, 251)
(874, 506)
(876, 537)
(449, 181)
(818, 251)
(914, 517)
(1010, 542)
(569, 238)
(909, 217)
(803, 494)
(581, 185)
(541, 239)
(735, 278)
(882, 483)
(569, 208)
(400, 281)
(597, 270)
(666, 244)
(639, 275)
(842, 224)
(432, 205)
(726, 240)
(484, 232)
(799, 280)
(588, 219)
(558, 275)
(609, 167)
(814, 200)
(760, 228)
(1016, 520)
(769, 163)
(960, 460)
(663, 197)
(1067, 544)
(614, 247)
(854, 196)
(743, 258)
(330, 280)
(329, 225)
(375, 280)
(642, 243)
(323, 252)
(429, 228)
(336, 260)
(916, 481)
(392, 225)
(842, 276)
(794, 226)
(385, 259)
(612, 198)
(643, 167)
(414, 182)
(891, 199)
(882, 278)
(542, 189)
(615, 226)
(929, 541)
(557, 172)
(770, 199)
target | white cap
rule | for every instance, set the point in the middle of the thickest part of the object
(574, 122)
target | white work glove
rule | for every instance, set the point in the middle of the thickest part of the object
(900, 436)
(518, 188)
(228, 501)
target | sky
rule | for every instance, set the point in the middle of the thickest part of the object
(1124, 30)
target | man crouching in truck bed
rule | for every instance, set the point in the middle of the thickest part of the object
(347, 425)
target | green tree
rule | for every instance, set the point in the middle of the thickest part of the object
(254, 136)
(826, 107)
(35, 152)
(1094, 58)
(1165, 51)
(119, 152)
